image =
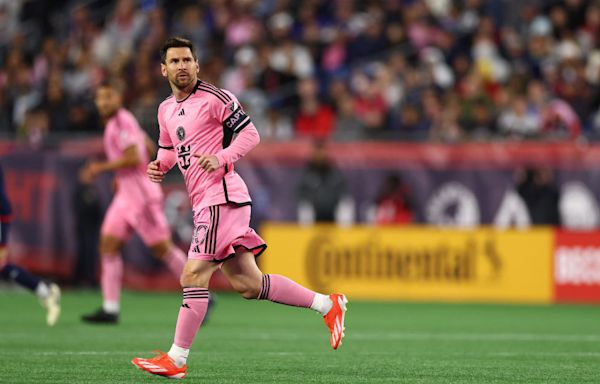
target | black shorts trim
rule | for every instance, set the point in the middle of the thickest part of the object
(262, 247)
(237, 204)
(211, 237)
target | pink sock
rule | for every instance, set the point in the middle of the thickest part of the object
(280, 289)
(112, 277)
(191, 314)
(175, 260)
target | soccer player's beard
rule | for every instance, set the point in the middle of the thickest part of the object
(109, 113)
(180, 85)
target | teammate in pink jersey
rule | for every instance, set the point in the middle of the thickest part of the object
(136, 206)
(205, 131)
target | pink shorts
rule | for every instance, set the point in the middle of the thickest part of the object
(220, 230)
(148, 220)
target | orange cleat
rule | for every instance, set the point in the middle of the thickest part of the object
(161, 365)
(334, 319)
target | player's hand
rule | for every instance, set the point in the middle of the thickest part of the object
(84, 175)
(209, 163)
(154, 172)
(94, 168)
(3, 254)
(89, 172)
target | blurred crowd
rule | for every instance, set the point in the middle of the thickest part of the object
(342, 70)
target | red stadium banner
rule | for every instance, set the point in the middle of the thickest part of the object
(577, 267)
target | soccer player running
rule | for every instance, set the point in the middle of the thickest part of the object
(48, 293)
(205, 131)
(136, 206)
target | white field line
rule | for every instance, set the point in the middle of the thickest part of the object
(297, 354)
(407, 336)
(252, 334)
(545, 354)
(589, 338)
(84, 353)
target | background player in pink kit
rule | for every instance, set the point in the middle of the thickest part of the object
(137, 204)
(204, 130)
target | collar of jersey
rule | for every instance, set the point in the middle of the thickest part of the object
(191, 93)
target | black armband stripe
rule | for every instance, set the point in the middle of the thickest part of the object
(246, 123)
(239, 123)
(163, 147)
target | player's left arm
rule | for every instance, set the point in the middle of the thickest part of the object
(244, 136)
(239, 147)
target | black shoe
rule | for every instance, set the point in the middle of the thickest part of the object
(101, 317)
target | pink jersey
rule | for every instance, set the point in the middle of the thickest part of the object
(209, 121)
(123, 131)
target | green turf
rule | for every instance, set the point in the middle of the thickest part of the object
(260, 342)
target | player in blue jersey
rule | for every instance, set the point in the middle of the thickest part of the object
(48, 293)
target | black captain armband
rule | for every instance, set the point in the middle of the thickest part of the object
(238, 119)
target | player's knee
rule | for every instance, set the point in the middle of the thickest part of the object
(193, 279)
(109, 244)
(109, 253)
(160, 250)
(250, 294)
(249, 290)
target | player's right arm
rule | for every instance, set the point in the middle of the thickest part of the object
(165, 158)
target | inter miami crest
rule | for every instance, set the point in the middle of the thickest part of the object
(180, 133)
(233, 107)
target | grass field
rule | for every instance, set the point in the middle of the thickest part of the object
(260, 342)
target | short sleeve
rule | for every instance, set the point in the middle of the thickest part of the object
(230, 113)
(129, 132)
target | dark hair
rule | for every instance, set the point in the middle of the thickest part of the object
(175, 42)
(116, 84)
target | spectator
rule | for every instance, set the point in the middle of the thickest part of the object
(122, 31)
(145, 105)
(559, 121)
(347, 127)
(35, 127)
(88, 212)
(370, 106)
(536, 187)
(193, 26)
(393, 54)
(518, 122)
(56, 104)
(322, 188)
(409, 123)
(394, 202)
(315, 120)
(287, 56)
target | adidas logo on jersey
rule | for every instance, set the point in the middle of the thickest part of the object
(181, 113)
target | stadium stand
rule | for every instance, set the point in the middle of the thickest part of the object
(444, 71)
